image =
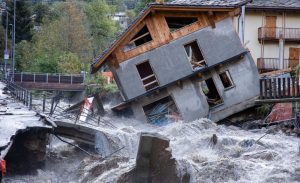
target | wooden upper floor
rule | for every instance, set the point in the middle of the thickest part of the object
(158, 25)
(161, 28)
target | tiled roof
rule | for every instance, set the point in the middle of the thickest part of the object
(180, 3)
(208, 2)
(274, 4)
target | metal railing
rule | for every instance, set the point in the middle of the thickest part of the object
(49, 78)
(271, 64)
(271, 33)
(20, 93)
(278, 88)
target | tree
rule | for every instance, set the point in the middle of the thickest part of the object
(62, 45)
(102, 28)
(2, 42)
(24, 22)
(141, 5)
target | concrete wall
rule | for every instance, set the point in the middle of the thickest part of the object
(191, 101)
(170, 62)
(254, 20)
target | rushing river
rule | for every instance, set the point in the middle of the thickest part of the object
(238, 155)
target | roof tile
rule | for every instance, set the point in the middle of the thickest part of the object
(275, 4)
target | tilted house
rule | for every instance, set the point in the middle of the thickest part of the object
(183, 60)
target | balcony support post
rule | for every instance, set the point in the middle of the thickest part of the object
(281, 50)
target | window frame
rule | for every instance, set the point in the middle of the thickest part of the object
(156, 99)
(221, 98)
(154, 74)
(172, 31)
(204, 60)
(229, 77)
(129, 49)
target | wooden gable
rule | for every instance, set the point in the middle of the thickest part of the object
(155, 29)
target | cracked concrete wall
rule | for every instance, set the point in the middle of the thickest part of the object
(170, 62)
(192, 103)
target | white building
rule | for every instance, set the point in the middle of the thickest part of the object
(265, 21)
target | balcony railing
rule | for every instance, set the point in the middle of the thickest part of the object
(273, 33)
(271, 64)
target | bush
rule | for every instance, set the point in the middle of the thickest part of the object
(264, 109)
(111, 88)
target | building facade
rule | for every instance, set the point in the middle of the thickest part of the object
(183, 60)
(272, 31)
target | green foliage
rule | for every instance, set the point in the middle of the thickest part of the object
(297, 70)
(62, 45)
(69, 63)
(141, 5)
(2, 42)
(24, 23)
(43, 11)
(111, 88)
(102, 28)
(131, 15)
(264, 109)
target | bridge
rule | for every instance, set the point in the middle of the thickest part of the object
(49, 81)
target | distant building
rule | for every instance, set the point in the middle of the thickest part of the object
(183, 60)
(266, 23)
(121, 18)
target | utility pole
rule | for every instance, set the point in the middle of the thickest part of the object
(14, 43)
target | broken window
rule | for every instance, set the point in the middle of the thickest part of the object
(226, 79)
(175, 23)
(212, 95)
(142, 37)
(148, 77)
(162, 111)
(195, 56)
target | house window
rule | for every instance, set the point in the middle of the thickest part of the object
(142, 37)
(195, 56)
(162, 111)
(210, 90)
(226, 79)
(175, 23)
(147, 76)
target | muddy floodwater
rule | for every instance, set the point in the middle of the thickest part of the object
(238, 156)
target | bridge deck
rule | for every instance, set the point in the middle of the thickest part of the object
(46, 81)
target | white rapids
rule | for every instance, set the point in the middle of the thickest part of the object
(238, 156)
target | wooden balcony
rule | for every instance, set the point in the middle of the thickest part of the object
(273, 34)
(273, 64)
(286, 89)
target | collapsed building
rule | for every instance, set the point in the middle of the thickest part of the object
(183, 60)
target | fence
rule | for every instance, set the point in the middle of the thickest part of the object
(49, 78)
(279, 88)
(19, 93)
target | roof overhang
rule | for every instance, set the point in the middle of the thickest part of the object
(100, 61)
(272, 8)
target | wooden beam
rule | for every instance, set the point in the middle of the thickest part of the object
(283, 100)
(211, 19)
